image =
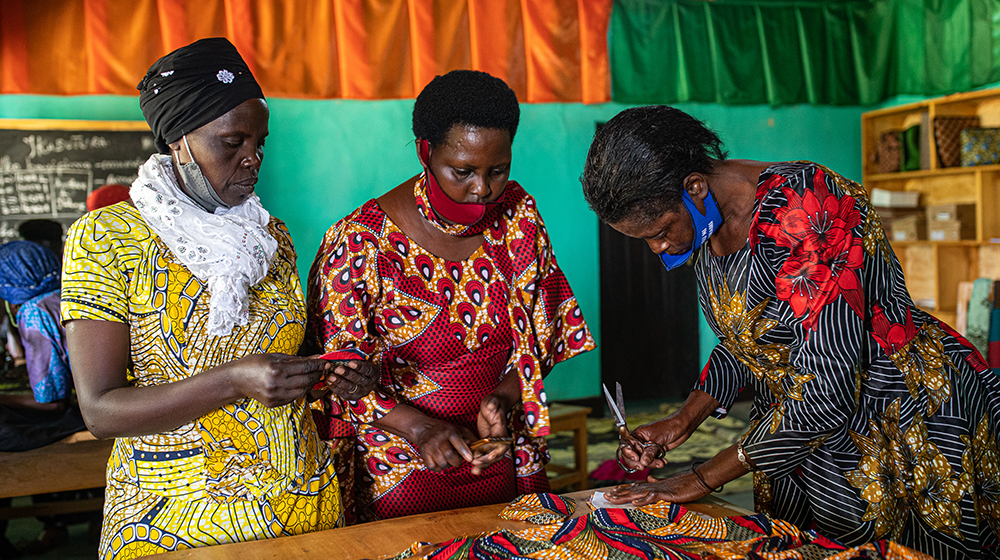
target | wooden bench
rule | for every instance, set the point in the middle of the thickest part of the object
(70, 464)
(564, 418)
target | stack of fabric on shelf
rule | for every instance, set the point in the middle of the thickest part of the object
(979, 318)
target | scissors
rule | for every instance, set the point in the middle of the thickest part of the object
(491, 443)
(618, 410)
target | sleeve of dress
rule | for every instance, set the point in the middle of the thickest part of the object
(548, 324)
(94, 284)
(724, 378)
(808, 238)
(559, 326)
(344, 294)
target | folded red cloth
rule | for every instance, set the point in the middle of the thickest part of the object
(610, 470)
(345, 354)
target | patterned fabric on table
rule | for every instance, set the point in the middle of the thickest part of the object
(540, 508)
(661, 530)
(444, 333)
(242, 472)
(45, 347)
(872, 419)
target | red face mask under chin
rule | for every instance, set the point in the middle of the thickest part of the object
(465, 214)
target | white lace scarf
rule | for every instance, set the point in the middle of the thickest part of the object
(229, 250)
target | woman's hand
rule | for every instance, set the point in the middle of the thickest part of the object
(685, 486)
(113, 407)
(492, 422)
(353, 380)
(441, 444)
(274, 379)
(668, 432)
(680, 488)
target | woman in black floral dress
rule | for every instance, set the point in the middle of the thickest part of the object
(872, 419)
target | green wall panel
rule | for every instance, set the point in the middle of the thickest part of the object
(325, 158)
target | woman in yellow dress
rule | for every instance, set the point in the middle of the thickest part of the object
(183, 314)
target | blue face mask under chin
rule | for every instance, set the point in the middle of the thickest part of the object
(704, 227)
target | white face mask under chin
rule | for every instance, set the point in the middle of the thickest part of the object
(196, 185)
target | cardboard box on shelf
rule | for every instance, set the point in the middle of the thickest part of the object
(887, 215)
(944, 230)
(951, 222)
(895, 199)
(908, 228)
(945, 212)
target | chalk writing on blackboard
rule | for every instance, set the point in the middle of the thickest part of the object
(48, 173)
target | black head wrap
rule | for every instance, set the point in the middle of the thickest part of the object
(192, 87)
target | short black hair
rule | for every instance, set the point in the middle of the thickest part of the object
(48, 233)
(638, 161)
(464, 97)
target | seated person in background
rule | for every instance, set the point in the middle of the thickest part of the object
(449, 284)
(184, 312)
(106, 196)
(29, 283)
(47, 233)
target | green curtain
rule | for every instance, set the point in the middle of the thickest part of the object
(823, 52)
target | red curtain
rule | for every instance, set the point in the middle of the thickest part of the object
(547, 50)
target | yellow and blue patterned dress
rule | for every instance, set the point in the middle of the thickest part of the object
(243, 472)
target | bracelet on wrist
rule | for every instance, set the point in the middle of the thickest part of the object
(694, 469)
(742, 456)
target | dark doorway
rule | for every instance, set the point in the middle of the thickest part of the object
(649, 321)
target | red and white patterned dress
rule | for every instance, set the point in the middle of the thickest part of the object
(444, 334)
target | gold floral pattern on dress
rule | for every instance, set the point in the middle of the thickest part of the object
(763, 493)
(901, 473)
(981, 463)
(740, 329)
(920, 356)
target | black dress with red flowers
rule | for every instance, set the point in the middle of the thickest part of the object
(872, 419)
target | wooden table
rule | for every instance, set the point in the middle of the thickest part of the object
(75, 463)
(382, 538)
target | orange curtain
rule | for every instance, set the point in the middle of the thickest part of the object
(547, 50)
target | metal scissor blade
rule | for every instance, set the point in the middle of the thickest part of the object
(620, 400)
(619, 417)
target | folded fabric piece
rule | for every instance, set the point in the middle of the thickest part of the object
(980, 146)
(611, 471)
(339, 356)
(542, 508)
(661, 530)
(978, 321)
(993, 346)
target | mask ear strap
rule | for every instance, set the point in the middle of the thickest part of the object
(424, 152)
(188, 146)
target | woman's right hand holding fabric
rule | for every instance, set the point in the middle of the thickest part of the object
(275, 379)
(352, 380)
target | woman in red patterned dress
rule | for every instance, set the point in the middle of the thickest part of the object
(448, 283)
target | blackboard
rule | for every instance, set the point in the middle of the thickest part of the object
(48, 167)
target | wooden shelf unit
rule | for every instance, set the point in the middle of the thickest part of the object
(933, 269)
